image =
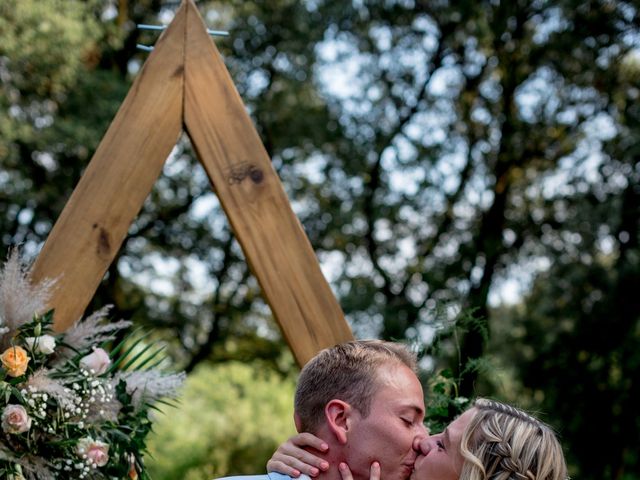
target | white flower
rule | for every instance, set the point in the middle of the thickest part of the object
(43, 344)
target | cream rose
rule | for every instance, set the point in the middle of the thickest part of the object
(15, 361)
(93, 450)
(43, 344)
(97, 362)
(15, 419)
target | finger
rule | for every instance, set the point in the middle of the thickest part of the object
(309, 459)
(305, 464)
(278, 466)
(292, 453)
(374, 472)
(291, 458)
(306, 439)
(345, 472)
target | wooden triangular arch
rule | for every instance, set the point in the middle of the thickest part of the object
(185, 82)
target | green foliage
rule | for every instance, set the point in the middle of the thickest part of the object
(442, 400)
(230, 420)
(44, 45)
(38, 64)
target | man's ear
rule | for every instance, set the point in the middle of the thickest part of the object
(339, 416)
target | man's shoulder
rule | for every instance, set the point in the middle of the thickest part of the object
(266, 476)
(246, 477)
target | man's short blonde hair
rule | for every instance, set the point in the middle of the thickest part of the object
(348, 372)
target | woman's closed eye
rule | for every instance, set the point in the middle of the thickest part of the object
(440, 444)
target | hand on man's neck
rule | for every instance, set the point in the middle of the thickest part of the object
(332, 456)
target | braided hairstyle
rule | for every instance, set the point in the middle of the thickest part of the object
(504, 443)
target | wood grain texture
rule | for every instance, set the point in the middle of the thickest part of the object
(128, 161)
(252, 196)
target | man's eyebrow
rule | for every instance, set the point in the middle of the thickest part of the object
(419, 410)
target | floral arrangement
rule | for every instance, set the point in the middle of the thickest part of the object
(68, 408)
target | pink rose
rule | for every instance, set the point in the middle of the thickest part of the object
(93, 450)
(15, 419)
(97, 362)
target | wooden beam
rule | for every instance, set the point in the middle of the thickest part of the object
(128, 161)
(254, 200)
(184, 79)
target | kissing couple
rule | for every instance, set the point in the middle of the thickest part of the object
(359, 410)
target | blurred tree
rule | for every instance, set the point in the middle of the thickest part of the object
(571, 363)
(574, 342)
(230, 420)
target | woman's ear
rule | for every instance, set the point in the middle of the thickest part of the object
(338, 415)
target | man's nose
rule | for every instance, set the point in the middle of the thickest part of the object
(422, 430)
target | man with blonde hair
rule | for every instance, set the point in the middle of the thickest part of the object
(364, 402)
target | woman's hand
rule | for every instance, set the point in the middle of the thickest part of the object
(345, 472)
(291, 459)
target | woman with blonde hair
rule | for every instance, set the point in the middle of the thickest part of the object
(490, 441)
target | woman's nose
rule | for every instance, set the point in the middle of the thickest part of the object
(417, 441)
(424, 445)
